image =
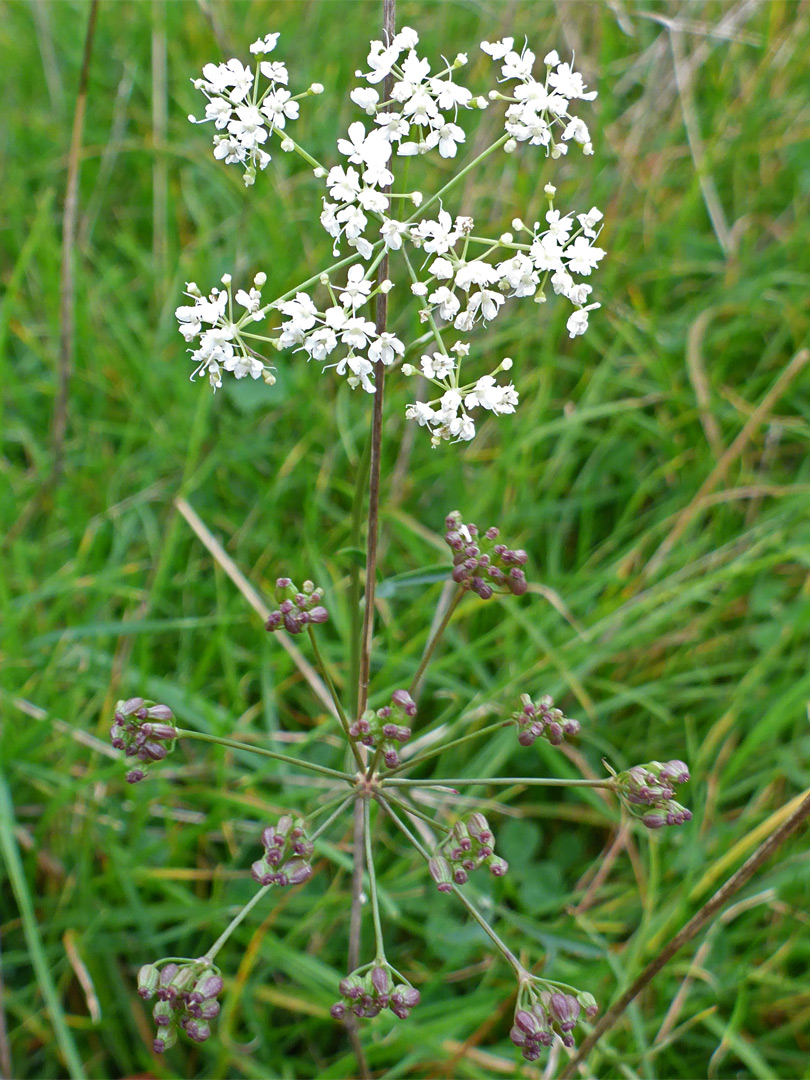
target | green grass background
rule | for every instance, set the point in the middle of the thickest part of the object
(105, 592)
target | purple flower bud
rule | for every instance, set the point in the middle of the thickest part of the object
(531, 1052)
(303, 848)
(495, 574)
(484, 591)
(497, 867)
(391, 758)
(338, 1011)
(402, 733)
(159, 731)
(273, 621)
(517, 582)
(675, 771)
(286, 607)
(441, 873)
(163, 1013)
(152, 751)
(165, 1041)
(198, 1030)
(117, 737)
(130, 706)
(134, 776)
(565, 1009)
(297, 871)
(526, 737)
(148, 979)
(261, 873)
(380, 980)
(459, 574)
(319, 615)
(293, 624)
(159, 712)
(571, 727)
(208, 1010)
(351, 987)
(462, 836)
(389, 730)
(527, 1022)
(402, 698)
(478, 827)
(517, 1036)
(555, 734)
(654, 820)
(460, 876)
(208, 985)
(492, 533)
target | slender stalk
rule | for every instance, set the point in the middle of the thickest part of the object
(731, 886)
(413, 689)
(420, 758)
(354, 588)
(389, 29)
(409, 809)
(202, 736)
(528, 781)
(458, 176)
(502, 947)
(379, 946)
(327, 678)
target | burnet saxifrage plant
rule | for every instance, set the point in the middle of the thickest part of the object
(459, 278)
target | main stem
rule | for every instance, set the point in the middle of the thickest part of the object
(389, 29)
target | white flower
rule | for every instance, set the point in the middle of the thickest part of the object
(360, 369)
(392, 125)
(578, 321)
(264, 45)
(569, 83)
(587, 221)
(519, 274)
(241, 365)
(343, 184)
(498, 49)
(582, 256)
(276, 72)
(376, 202)
(437, 366)
(357, 332)
(391, 232)
(252, 300)
(489, 395)
(321, 342)
(365, 98)
(518, 65)
(447, 302)
(421, 412)
(442, 269)
(436, 237)
(381, 60)
(476, 272)
(301, 311)
(240, 78)
(278, 108)
(219, 110)
(353, 146)
(449, 95)
(488, 301)
(559, 227)
(248, 126)
(353, 220)
(578, 131)
(386, 349)
(446, 138)
(357, 288)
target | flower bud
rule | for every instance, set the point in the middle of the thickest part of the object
(159, 731)
(675, 772)
(148, 979)
(130, 706)
(208, 985)
(134, 776)
(163, 712)
(380, 980)
(198, 1030)
(338, 1011)
(297, 871)
(588, 1003)
(441, 873)
(163, 1012)
(654, 820)
(565, 1009)
(165, 1040)
(273, 621)
(497, 866)
(527, 1022)
(319, 615)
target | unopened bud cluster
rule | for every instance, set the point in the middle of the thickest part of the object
(287, 854)
(368, 994)
(481, 564)
(647, 790)
(468, 846)
(387, 727)
(296, 607)
(142, 731)
(186, 999)
(550, 1013)
(541, 720)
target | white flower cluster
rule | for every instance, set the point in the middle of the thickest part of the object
(538, 107)
(448, 417)
(222, 347)
(244, 116)
(558, 251)
(419, 116)
(319, 333)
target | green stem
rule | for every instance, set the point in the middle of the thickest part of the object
(445, 746)
(379, 947)
(503, 948)
(527, 781)
(185, 733)
(324, 670)
(327, 806)
(413, 689)
(408, 809)
(458, 176)
(354, 589)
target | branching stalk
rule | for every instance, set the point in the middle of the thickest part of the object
(327, 678)
(379, 947)
(233, 744)
(528, 781)
(413, 689)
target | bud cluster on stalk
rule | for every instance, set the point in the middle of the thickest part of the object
(387, 727)
(550, 1013)
(468, 846)
(482, 565)
(287, 854)
(646, 792)
(297, 608)
(186, 999)
(366, 995)
(541, 720)
(142, 730)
